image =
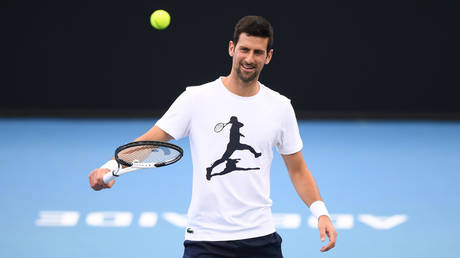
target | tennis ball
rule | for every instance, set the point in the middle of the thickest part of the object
(160, 19)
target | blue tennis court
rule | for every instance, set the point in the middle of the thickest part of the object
(392, 187)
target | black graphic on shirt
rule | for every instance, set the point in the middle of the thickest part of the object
(233, 145)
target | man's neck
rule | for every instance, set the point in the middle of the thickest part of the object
(240, 88)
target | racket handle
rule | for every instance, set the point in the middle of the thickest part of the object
(111, 165)
(108, 177)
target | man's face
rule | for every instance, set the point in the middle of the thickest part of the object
(249, 56)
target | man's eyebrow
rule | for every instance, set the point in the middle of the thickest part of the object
(255, 50)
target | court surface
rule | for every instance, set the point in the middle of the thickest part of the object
(392, 187)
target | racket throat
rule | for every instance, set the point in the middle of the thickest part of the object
(115, 175)
(115, 172)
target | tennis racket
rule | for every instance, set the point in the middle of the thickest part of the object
(143, 154)
(218, 127)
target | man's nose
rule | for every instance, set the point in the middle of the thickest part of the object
(250, 57)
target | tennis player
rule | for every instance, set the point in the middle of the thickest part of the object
(230, 214)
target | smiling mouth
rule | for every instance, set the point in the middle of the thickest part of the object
(247, 67)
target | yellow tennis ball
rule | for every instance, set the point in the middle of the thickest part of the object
(160, 19)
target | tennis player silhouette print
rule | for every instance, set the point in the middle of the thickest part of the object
(233, 145)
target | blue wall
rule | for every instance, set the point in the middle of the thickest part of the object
(392, 187)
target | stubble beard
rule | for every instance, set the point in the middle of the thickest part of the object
(247, 78)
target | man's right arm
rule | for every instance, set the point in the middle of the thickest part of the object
(95, 177)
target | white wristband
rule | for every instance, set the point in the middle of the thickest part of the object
(111, 165)
(318, 209)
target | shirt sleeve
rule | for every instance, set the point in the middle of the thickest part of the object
(176, 121)
(289, 140)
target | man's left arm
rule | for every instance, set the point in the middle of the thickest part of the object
(306, 188)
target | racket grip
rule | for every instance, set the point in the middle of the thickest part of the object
(111, 165)
(108, 177)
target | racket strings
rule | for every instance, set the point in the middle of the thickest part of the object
(150, 154)
(219, 127)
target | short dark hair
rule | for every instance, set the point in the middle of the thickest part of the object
(256, 26)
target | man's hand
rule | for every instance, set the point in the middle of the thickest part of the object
(95, 179)
(325, 227)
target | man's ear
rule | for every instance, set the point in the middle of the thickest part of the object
(231, 48)
(269, 56)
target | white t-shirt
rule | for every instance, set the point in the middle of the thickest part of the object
(231, 168)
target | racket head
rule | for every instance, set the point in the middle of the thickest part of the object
(218, 127)
(145, 154)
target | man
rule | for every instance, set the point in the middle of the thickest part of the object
(230, 215)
